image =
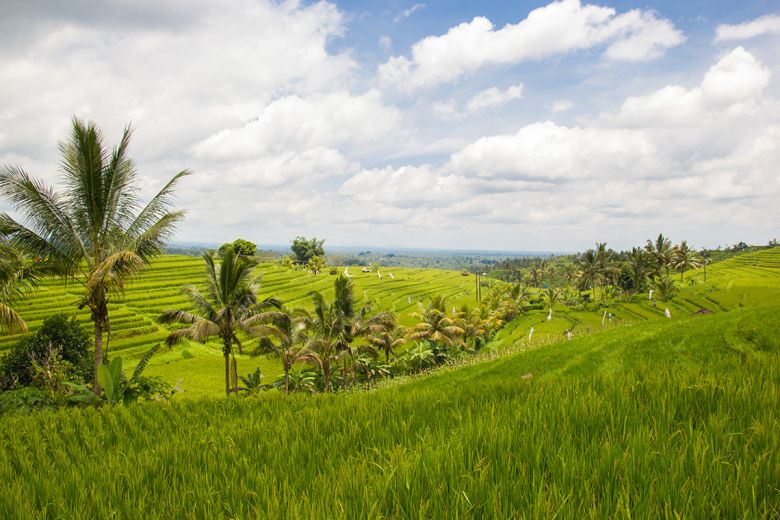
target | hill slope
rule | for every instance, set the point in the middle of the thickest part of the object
(666, 419)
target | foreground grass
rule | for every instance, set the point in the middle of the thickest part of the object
(667, 419)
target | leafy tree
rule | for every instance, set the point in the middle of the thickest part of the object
(588, 271)
(58, 337)
(639, 263)
(552, 295)
(626, 279)
(229, 305)
(95, 229)
(685, 258)
(240, 247)
(304, 249)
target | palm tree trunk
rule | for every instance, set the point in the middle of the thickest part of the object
(98, 352)
(286, 381)
(226, 349)
(326, 372)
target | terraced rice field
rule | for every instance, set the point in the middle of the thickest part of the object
(196, 367)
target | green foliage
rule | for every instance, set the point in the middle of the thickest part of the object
(304, 249)
(666, 288)
(59, 338)
(670, 419)
(315, 264)
(626, 279)
(240, 247)
(117, 388)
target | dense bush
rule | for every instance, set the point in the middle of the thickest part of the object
(240, 246)
(59, 346)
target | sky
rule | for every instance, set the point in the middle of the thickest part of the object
(505, 125)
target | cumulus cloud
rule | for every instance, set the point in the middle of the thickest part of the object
(769, 24)
(556, 28)
(493, 97)
(704, 155)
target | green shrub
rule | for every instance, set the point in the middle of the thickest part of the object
(60, 341)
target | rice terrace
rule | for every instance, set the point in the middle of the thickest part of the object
(395, 260)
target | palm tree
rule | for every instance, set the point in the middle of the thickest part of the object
(95, 230)
(661, 253)
(16, 276)
(552, 295)
(605, 266)
(388, 340)
(685, 258)
(325, 339)
(229, 305)
(588, 271)
(436, 327)
(639, 264)
(289, 329)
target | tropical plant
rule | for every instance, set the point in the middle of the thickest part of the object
(551, 296)
(661, 253)
(316, 264)
(436, 328)
(685, 258)
(253, 382)
(17, 275)
(421, 355)
(229, 306)
(639, 263)
(588, 271)
(665, 288)
(388, 340)
(95, 229)
(286, 335)
(117, 388)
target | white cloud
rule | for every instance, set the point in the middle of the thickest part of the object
(561, 105)
(557, 28)
(406, 13)
(385, 42)
(769, 24)
(295, 123)
(494, 97)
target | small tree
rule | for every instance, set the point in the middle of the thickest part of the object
(304, 249)
(59, 338)
(316, 264)
(240, 247)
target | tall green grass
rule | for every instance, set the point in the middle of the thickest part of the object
(672, 419)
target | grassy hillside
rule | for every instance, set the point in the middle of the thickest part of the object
(197, 367)
(673, 418)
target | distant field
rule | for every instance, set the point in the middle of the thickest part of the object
(746, 280)
(197, 367)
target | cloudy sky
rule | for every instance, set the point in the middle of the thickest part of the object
(505, 125)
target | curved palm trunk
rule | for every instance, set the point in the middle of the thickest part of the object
(682, 275)
(326, 372)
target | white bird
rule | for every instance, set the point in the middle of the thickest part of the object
(650, 295)
(379, 275)
(667, 313)
(549, 316)
(531, 334)
(346, 272)
(391, 275)
(603, 318)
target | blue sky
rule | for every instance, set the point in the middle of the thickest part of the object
(484, 125)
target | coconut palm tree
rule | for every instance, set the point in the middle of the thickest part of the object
(435, 327)
(286, 332)
(685, 258)
(552, 295)
(661, 253)
(95, 230)
(17, 275)
(587, 271)
(388, 340)
(605, 266)
(230, 305)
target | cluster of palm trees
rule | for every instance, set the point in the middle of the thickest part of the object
(339, 342)
(650, 266)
